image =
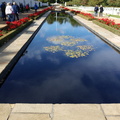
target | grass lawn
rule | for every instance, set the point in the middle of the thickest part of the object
(117, 16)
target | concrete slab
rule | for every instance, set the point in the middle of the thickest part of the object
(111, 109)
(78, 112)
(29, 117)
(32, 108)
(5, 110)
(2, 66)
(113, 118)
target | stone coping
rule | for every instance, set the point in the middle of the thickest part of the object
(59, 111)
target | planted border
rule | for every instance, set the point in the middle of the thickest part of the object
(37, 17)
(6, 37)
(87, 18)
(111, 29)
(12, 33)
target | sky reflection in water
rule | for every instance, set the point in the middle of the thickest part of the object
(41, 76)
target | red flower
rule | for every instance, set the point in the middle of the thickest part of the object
(7, 22)
(15, 24)
(1, 34)
(109, 22)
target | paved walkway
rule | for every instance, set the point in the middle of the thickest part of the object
(53, 111)
(59, 111)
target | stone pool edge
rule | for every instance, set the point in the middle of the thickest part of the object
(60, 111)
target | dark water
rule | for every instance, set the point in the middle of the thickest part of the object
(65, 63)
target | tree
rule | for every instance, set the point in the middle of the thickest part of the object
(118, 3)
(84, 2)
(53, 1)
(111, 2)
(95, 2)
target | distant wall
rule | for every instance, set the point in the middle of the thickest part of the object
(107, 10)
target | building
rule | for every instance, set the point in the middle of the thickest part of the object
(25, 2)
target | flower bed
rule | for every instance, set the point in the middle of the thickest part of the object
(38, 14)
(8, 35)
(86, 16)
(15, 27)
(16, 24)
(110, 28)
(109, 23)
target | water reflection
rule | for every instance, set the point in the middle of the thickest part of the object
(61, 18)
(41, 76)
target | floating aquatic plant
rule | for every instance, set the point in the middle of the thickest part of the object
(64, 38)
(53, 49)
(70, 45)
(78, 40)
(86, 47)
(75, 54)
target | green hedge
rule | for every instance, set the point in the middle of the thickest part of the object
(111, 29)
(12, 33)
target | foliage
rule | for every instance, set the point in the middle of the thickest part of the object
(84, 2)
(117, 16)
(110, 28)
(53, 1)
(15, 27)
(115, 3)
(87, 16)
(38, 14)
(95, 2)
(7, 35)
(109, 23)
(1, 34)
(15, 24)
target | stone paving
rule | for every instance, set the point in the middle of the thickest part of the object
(54, 111)
(59, 111)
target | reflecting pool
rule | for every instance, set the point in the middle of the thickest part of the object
(65, 63)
